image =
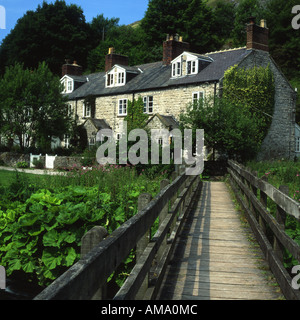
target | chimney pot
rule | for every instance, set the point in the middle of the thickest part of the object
(263, 23)
(252, 20)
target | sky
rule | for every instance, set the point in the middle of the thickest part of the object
(128, 11)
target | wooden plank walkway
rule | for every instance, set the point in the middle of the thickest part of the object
(213, 258)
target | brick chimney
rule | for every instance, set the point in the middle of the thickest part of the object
(71, 69)
(113, 58)
(173, 47)
(257, 36)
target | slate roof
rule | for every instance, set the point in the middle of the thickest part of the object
(158, 76)
(99, 123)
(168, 121)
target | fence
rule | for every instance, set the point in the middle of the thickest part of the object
(253, 193)
(87, 278)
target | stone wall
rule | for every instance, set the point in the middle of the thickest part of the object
(280, 140)
(67, 162)
(171, 101)
(11, 159)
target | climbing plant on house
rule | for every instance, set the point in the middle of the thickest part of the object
(136, 118)
(252, 89)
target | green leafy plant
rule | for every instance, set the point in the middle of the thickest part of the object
(41, 229)
(22, 164)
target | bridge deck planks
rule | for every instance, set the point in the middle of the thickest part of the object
(213, 258)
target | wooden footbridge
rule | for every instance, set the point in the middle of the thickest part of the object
(202, 249)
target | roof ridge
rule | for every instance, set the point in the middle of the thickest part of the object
(226, 50)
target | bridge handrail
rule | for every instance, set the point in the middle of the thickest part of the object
(85, 277)
(246, 186)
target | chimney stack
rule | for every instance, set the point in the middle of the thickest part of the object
(173, 47)
(71, 69)
(257, 36)
(113, 58)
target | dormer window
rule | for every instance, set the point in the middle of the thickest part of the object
(119, 75)
(68, 84)
(189, 64)
(116, 77)
(71, 82)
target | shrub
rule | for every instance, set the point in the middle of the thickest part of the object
(38, 164)
(22, 164)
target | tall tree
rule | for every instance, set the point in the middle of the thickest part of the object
(127, 40)
(32, 109)
(284, 40)
(101, 25)
(192, 19)
(52, 33)
(229, 130)
(224, 15)
(245, 10)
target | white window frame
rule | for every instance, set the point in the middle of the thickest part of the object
(122, 107)
(92, 141)
(110, 79)
(193, 67)
(178, 68)
(148, 104)
(297, 144)
(69, 86)
(87, 111)
(69, 110)
(121, 77)
(67, 141)
(174, 69)
(197, 95)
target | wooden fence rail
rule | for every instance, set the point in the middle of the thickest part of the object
(253, 193)
(87, 278)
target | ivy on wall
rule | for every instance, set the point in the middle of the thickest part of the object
(253, 89)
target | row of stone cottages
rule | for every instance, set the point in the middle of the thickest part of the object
(167, 87)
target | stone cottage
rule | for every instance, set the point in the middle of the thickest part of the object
(168, 86)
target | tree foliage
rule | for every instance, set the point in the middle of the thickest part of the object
(233, 132)
(192, 19)
(32, 107)
(52, 33)
(244, 10)
(284, 40)
(58, 31)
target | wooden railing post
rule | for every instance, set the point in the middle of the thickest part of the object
(254, 191)
(280, 217)
(88, 242)
(162, 217)
(143, 200)
(263, 200)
